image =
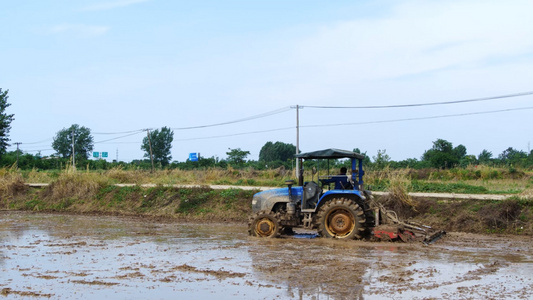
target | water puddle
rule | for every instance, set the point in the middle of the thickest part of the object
(87, 257)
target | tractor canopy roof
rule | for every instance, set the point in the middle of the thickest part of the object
(330, 153)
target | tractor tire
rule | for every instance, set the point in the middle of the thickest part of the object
(264, 224)
(341, 218)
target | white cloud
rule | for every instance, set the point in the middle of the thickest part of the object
(112, 5)
(421, 37)
(421, 46)
(79, 30)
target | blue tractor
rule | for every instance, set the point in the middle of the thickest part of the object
(345, 211)
(342, 211)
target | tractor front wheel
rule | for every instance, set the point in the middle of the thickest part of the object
(342, 219)
(264, 224)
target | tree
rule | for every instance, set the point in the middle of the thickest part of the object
(459, 152)
(382, 159)
(468, 160)
(5, 122)
(83, 142)
(513, 156)
(276, 152)
(366, 160)
(484, 157)
(443, 155)
(161, 141)
(408, 163)
(237, 156)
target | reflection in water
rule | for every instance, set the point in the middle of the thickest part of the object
(311, 268)
(80, 257)
(84, 257)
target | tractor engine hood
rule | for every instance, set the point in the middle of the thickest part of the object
(267, 199)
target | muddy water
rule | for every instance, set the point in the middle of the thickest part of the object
(83, 257)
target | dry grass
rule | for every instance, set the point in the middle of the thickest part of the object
(35, 176)
(118, 175)
(93, 192)
(209, 176)
(11, 184)
(398, 198)
(77, 185)
(395, 181)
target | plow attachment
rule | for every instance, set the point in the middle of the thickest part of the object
(393, 229)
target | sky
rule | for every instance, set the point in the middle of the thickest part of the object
(230, 74)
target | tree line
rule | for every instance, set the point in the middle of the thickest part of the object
(74, 146)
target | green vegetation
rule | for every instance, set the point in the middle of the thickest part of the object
(80, 136)
(275, 155)
(158, 144)
(442, 156)
(94, 192)
(237, 157)
(5, 122)
(512, 216)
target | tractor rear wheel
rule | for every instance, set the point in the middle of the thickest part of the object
(264, 224)
(341, 218)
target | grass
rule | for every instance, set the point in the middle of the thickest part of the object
(247, 177)
(471, 180)
(94, 192)
(442, 187)
(455, 181)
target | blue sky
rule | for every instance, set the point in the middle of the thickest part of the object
(126, 65)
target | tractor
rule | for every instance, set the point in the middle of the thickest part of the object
(345, 211)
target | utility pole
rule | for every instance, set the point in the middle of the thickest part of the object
(150, 143)
(17, 143)
(73, 151)
(297, 140)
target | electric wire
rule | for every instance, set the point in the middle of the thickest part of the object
(284, 109)
(38, 150)
(33, 143)
(235, 134)
(420, 118)
(422, 104)
(124, 132)
(314, 126)
(360, 123)
(116, 138)
(281, 110)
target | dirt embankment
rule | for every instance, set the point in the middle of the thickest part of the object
(512, 216)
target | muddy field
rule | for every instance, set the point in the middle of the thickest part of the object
(88, 257)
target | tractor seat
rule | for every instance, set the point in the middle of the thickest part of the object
(341, 182)
(311, 193)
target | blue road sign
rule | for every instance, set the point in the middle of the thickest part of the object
(193, 157)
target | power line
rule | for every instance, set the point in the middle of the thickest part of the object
(235, 134)
(124, 132)
(33, 143)
(360, 123)
(422, 118)
(119, 143)
(284, 109)
(116, 138)
(40, 150)
(236, 121)
(426, 104)
(312, 126)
